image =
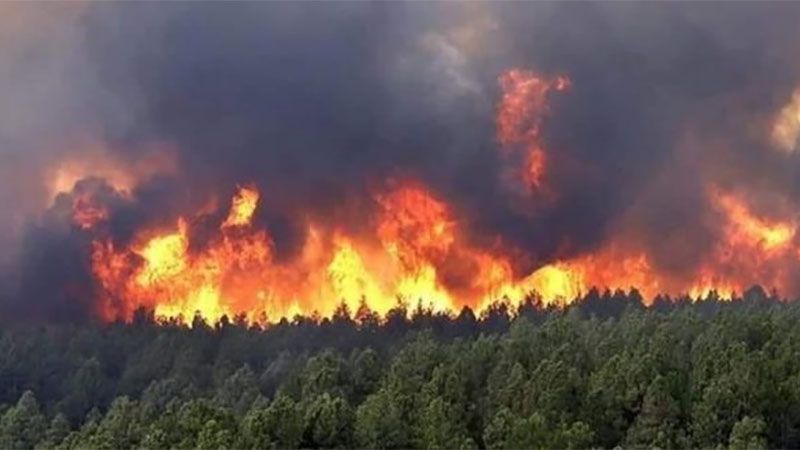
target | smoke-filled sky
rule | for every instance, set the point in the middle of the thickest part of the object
(319, 104)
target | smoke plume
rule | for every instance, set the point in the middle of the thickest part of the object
(656, 144)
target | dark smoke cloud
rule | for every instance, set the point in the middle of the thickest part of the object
(317, 103)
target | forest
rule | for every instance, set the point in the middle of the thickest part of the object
(602, 372)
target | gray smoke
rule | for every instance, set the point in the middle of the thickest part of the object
(316, 103)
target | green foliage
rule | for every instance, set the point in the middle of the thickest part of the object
(280, 425)
(380, 422)
(658, 423)
(22, 426)
(58, 430)
(328, 422)
(748, 434)
(238, 391)
(119, 428)
(603, 373)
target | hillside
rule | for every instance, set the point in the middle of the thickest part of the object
(603, 372)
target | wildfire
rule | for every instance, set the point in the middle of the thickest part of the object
(419, 244)
(751, 250)
(163, 256)
(244, 205)
(418, 240)
(748, 229)
(522, 108)
(416, 247)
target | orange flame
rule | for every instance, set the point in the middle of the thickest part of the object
(243, 207)
(418, 248)
(418, 240)
(522, 108)
(747, 229)
(751, 250)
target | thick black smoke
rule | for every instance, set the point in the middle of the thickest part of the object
(318, 103)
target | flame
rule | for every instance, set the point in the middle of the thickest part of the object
(164, 256)
(349, 276)
(750, 230)
(786, 126)
(414, 227)
(523, 106)
(611, 268)
(414, 245)
(533, 173)
(417, 239)
(418, 244)
(243, 207)
(751, 250)
(162, 273)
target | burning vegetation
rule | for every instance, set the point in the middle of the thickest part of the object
(413, 246)
(399, 225)
(490, 155)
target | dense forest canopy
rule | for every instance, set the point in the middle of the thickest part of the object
(320, 161)
(605, 371)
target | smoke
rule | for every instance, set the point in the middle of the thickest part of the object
(319, 104)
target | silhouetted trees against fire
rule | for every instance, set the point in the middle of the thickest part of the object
(604, 372)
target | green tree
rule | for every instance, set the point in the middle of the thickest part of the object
(555, 390)
(216, 434)
(329, 422)
(530, 432)
(615, 393)
(22, 426)
(714, 415)
(121, 427)
(658, 423)
(164, 430)
(279, 425)
(380, 423)
(238, 391)
(440, 427)
(442, 410)
(577, 435)
(89, 387)
(498, 430)
(325, 373)
(58, 430)
(366, 373)
(204, 425)
(748, 434)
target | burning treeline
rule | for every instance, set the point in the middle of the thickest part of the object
(413, 245)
